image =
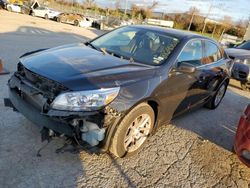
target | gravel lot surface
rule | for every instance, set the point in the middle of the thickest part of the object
(193, 151)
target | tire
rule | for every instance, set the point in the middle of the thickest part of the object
(32, 14)
(46, 17)
(58, 19)
(244, 87)
(9, 9)
(76, 23)
(214, 101)
(128, 126)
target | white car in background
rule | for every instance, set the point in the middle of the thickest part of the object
(85, 22)
(45, 12)
(14, 8)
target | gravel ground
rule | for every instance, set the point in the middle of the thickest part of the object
(193, 151)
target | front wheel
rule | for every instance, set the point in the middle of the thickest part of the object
(133, 131)
(217, 98)
(46, 16)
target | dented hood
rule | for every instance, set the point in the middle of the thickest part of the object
(79, 67)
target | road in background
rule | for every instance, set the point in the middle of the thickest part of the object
(193, 151)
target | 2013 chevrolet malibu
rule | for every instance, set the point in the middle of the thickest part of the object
(116, 90)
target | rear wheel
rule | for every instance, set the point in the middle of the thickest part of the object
(133, 131)
(217, 98)
(76, 23)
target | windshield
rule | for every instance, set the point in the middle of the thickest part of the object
(140, 45)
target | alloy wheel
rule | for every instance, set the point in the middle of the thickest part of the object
(220, 95)
(137, 132)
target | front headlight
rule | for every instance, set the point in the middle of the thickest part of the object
(85, 100)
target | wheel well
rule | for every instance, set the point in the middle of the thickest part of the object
(154, 106)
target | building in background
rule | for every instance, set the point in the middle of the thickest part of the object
(247, 34)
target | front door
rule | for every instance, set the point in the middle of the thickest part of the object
(180, 88)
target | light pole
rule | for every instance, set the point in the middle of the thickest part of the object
(191, 21)
(205, 23)
(126, 7)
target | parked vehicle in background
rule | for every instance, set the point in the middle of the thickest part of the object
(14, 8)
(45, 12)
(25, 9)
(228, 41)
(3, 4)
(28, 7)
(74, 19)
(162, 23)
(242, 138)
(85, 22)
(117, 89)
(245, 45)
(241, 69)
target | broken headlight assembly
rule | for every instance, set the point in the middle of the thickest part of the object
(85, 100)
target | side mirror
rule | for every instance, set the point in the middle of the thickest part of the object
(186, 68)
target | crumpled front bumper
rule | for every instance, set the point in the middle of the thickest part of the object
(91, 127)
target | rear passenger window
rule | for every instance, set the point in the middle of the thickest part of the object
(212, 53)
(192, 53)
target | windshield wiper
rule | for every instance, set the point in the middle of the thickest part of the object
(131, 60)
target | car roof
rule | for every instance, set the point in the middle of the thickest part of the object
(179, 34)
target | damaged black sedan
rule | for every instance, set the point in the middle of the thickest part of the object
(116, 90)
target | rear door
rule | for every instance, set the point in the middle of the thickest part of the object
(213, 68)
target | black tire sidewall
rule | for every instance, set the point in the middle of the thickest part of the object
(126, 122)
(76, 23)
(216, 105)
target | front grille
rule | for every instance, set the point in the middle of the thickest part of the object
(44, 84)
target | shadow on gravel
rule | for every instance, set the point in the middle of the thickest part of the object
(218, 126)
(121, 171)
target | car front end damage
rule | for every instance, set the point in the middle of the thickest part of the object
(33, 95)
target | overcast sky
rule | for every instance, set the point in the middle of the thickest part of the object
(237, 9)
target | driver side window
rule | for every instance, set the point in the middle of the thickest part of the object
(192, 53)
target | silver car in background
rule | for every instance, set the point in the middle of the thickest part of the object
(45, 12)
